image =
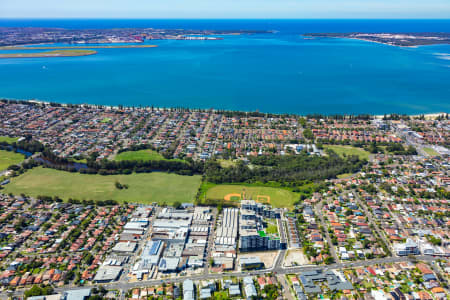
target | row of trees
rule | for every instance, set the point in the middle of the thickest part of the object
(187, 167)
(339, 117)
(49, 199)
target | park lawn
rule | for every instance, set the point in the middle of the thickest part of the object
(80, 160)
(226, 163)
(272, 229)
(144, 155)
(221, 295)
(345, 175)
(143, 188)
(279, 197)
(106, 120)
(8, 139)
(430, 151)
(8, 158)
(348, 150)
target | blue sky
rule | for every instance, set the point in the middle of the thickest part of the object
(224, 9)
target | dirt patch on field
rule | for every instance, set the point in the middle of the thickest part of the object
(237, 197)
(295, 258)
(232, 197)
(263, 199)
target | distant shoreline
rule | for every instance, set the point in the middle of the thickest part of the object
(407, 40)
(377, 42)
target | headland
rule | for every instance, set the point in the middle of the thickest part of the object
(393, 39)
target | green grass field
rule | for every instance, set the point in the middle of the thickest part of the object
(345, 175)
(348, 150)
(80, 161)
(143, 188)
(8, 158)
(8, 139)
(221, 295)
(272, 229)
(144, 155)
(226, 163)
(430, 151)
(106, 120)
(277, 197)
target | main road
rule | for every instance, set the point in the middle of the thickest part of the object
(275, 270)
(122, 285)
